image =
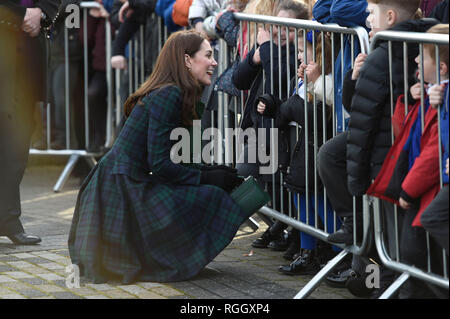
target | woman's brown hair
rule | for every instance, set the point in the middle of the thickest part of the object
(170, 69)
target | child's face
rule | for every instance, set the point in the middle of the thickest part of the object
(284, 14)
(429, 67)
(309, 51)
(377, 18)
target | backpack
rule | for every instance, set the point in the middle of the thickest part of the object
(180, 12)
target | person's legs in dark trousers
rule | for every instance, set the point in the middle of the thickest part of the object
(59, 104)
(18, 96)
(435, 218)
(413, 251)
(97, 94)
(332, 169)
(14, 146)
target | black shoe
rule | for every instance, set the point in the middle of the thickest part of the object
(356, 284)
(306, 264)
(339, 279)
(292, 250)
(24, 239)
(280, 244)
(342, 236)
(265, 239)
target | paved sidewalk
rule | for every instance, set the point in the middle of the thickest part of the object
(39, 272)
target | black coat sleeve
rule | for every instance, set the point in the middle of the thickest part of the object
(348, 90)
(367, 109)
(126, 31)
(273, 70)
(49, 7)
(246, 72)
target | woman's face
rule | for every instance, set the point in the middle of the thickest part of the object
(202, 64)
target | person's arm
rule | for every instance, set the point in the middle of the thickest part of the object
(371, 94)
(165, 115)
(228, 28)
(197, 10)
(321, 11)
(245, 72)
(126, 32)
(349, 13)
(50, 8)
(273, 69)
(348, 90)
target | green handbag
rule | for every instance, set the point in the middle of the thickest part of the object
(249, 196)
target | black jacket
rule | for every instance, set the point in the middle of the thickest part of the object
(293, 161)
(249, 76)
(369, 135)
(440, 12)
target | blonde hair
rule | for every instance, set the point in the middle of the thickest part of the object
(261, 7)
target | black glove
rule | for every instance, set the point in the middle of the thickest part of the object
(222, 178)
(272, 105)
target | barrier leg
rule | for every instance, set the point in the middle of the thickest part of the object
(315, 282)
(252, 223)
(66, 172)
(90, 160)
(266, 219)
(395, 286)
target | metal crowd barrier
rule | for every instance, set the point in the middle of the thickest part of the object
(273, 211)
(385, 252)
(373, 229)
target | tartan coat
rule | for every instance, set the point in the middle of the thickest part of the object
(141, 217)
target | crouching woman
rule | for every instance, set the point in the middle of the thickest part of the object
(139, 216)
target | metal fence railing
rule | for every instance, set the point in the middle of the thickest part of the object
(318, 227)
(391, 256)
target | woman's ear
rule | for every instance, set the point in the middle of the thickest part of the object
(187, 60)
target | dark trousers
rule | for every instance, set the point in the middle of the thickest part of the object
(14, 148)
(413, 251)
(332, 167)
(21, 70)
(435, 218)
(97, 94)
(58, 98)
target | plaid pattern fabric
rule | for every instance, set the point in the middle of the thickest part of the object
(130, 225)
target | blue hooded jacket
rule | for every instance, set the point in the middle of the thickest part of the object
(346, 13)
